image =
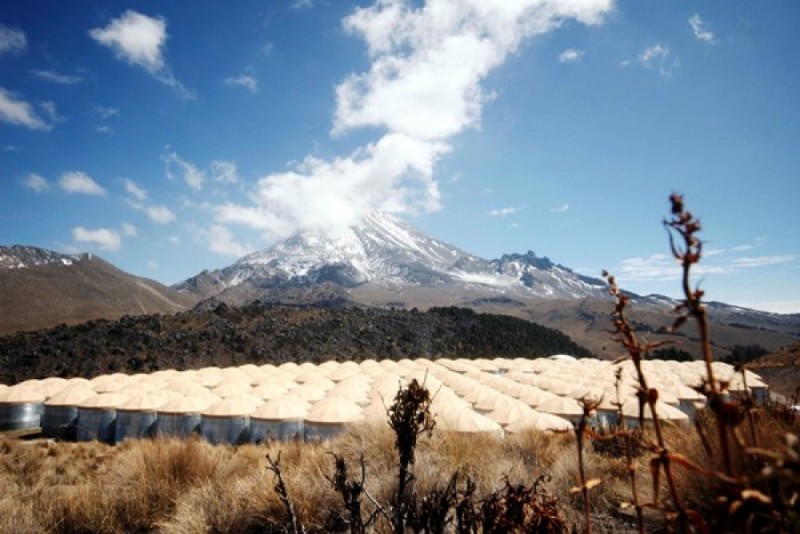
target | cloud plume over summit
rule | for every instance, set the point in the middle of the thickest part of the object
(423, 87)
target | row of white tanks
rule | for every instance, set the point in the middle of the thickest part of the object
(255, 403)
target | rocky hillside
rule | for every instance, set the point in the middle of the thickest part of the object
(781, 370)
(262, 333)
(41, 288)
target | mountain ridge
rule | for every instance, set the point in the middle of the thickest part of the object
(41, 288)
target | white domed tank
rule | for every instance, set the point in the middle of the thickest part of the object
(182, 416)
(60, 416)
(228, 421)
(97, 417)
(565, 407)
(279, 418)
(21, 407)
(136, 417)
(328, 418)
(466, 421)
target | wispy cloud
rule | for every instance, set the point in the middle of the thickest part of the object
(36, 183)
(105, 112)
(222, 241)
(20, 113)
(301, 4)
(224, 172)
(267, 49)
(760, 261)
(103, 238)
(700, 29)
(245, 80)
(176, 167)
(55, 77)
(656, 57)
(159, 214)
(663, 267)
(133, 189)
(80, 183)
(140, 40)
(560, 209)
(504, 212)
(49, 108)
(12, 40)
(129, 230)
(571, 55)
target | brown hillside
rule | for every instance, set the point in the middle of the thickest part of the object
(781, 370)
(43, 296)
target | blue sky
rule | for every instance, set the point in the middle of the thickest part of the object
(171, 137)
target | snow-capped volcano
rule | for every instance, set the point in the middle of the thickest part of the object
(383, 251)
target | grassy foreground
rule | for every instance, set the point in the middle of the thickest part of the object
(175, 486)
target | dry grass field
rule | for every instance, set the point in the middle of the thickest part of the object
(176, 486)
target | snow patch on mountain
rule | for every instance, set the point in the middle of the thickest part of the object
(21, 257)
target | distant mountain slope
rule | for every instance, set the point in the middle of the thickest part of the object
(261, 333)
(41, 288)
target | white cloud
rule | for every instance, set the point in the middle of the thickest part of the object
(301, 4)
(571, 55)
(12, 40)
(187, 172)
(658, 267)
(106, 112)
(395, 174)
(503, 212)
(224, 171)
(657, 56)
(55, 77)
(133, 189)
(700, 29)
(426, 62)
(222, 241)
(51, 111)
(129, 230)
(104, 128)
(36, 182)
(760, 261)
(245, 80)
(80, 182)
(663, 267)
(159, 214)
(430, 61)
(20, 113)
(140, 40)
(560, 209)
(152, 264)
(102, 237)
